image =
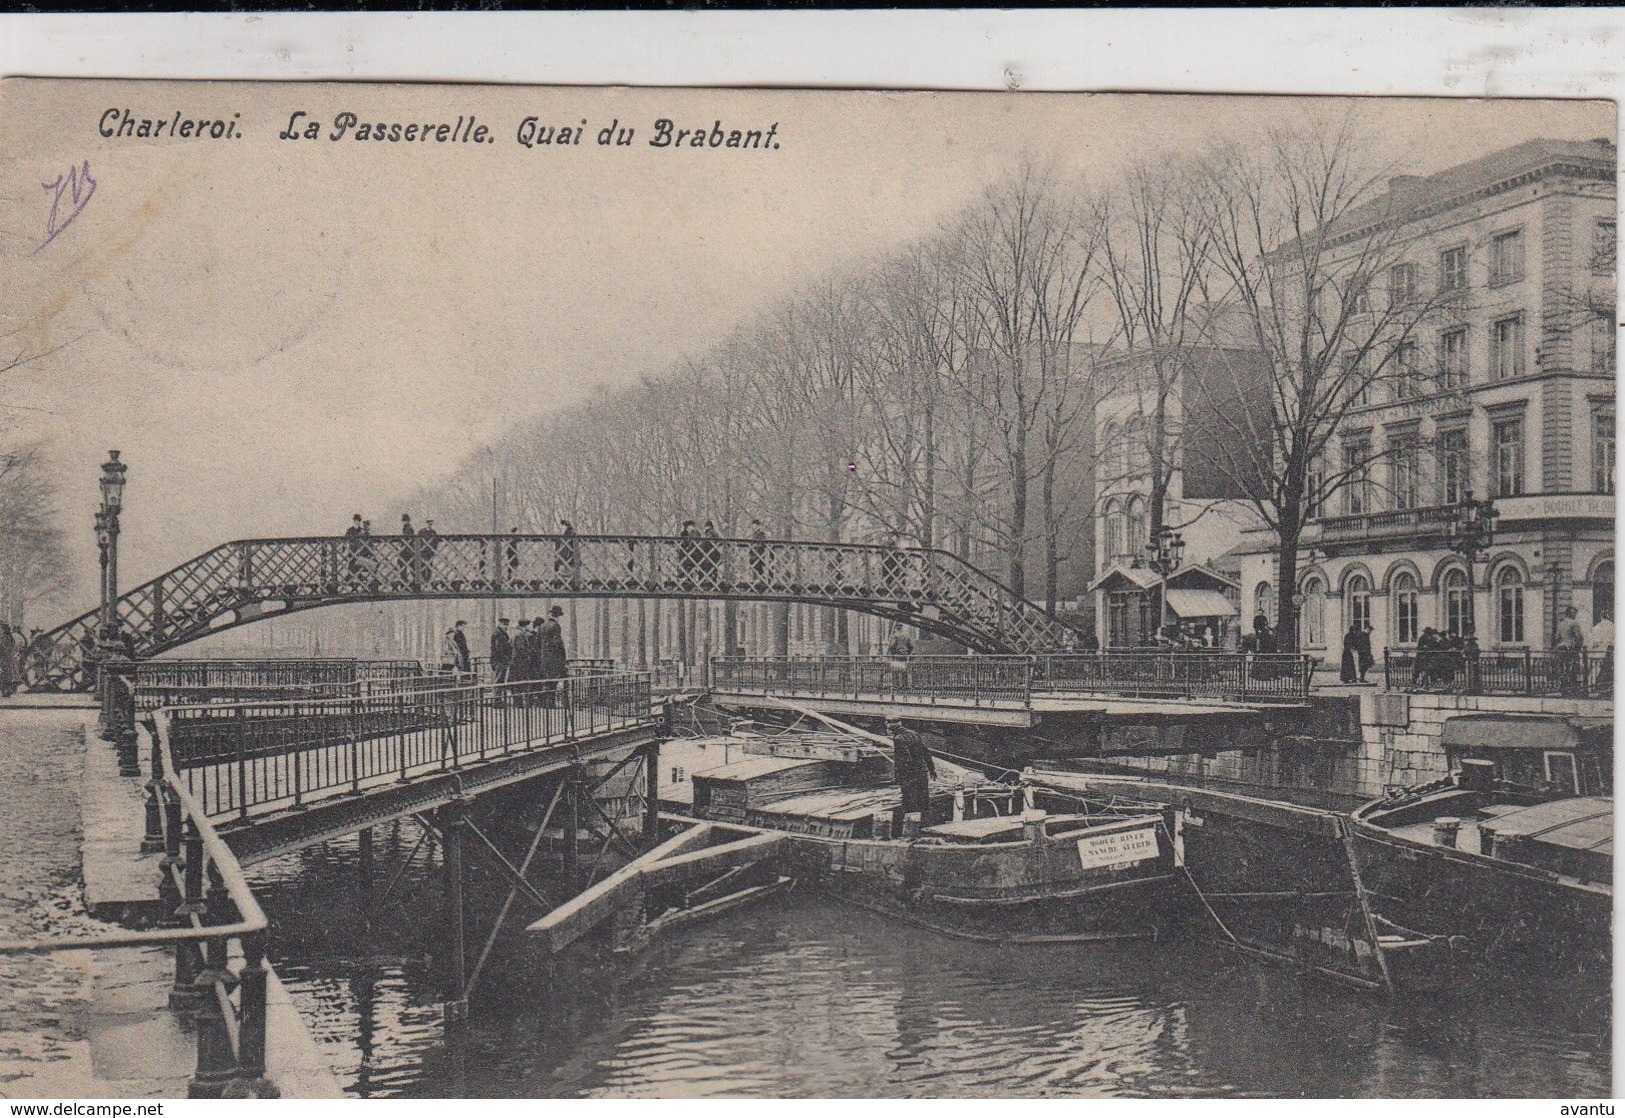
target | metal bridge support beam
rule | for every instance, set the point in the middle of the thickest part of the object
(452, 825)
(570, 821)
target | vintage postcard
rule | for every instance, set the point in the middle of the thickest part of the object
(791, 593)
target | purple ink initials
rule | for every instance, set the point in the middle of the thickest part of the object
(70, 193)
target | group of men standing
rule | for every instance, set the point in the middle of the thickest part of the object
(534, 653)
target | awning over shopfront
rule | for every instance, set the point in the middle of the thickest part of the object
(1193, 604)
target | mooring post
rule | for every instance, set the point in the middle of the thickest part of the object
(651, 792)
(366, 857)
(451, 833)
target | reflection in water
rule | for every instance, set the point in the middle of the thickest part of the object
(805, 997)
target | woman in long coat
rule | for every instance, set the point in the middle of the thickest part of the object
(1350, 667)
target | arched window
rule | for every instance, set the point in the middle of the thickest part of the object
(1114, 530)
(1136, 532)
(1263, 602)
(1602, 592)
(1509, 605)
(1357, 601)
(1312, 617)
(1457, 602)
(1407, 615)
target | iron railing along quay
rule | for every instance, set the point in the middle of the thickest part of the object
(976, 680)
(1228, 676)
(241, 758)
(1531, 673)
(214, 925)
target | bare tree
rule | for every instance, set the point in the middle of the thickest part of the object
(1022, 261)
(1304, 240)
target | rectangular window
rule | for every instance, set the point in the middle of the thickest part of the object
(1506, 258)
(1506, 348)
(1507, 443)
(1602, 248)
(1357, 472)
(1602, 449)
(1603, 341)
(1452, 465)
(1315, 484)
(1407, 378)
(1405, 472)
(1453, 269)
(1453, 360)
(1401, 284)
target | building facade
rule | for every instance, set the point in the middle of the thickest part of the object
(1202, 502)
(1509, 394)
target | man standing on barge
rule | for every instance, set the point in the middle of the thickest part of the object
(914, 768)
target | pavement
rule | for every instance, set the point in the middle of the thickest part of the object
(95, 1024)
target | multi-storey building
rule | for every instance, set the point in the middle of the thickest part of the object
(1203, 501)
(1507, 392)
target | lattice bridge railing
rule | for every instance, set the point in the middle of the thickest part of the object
(249, 580)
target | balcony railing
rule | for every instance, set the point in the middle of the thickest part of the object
(1427, 521)
(1555, 674)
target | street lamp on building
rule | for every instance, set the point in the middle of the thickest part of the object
(1471, 532)
(1164, 552)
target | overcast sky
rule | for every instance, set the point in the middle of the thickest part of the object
(279, 333)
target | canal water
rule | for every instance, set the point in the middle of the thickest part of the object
(805, 997)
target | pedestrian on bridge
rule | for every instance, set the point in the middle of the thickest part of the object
(352, 545)
(522, 665)
(552, 664)
(459, 645)
(428, 544)
(409, 553)
(501, 651)
(567, 559)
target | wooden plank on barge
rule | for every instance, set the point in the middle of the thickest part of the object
(579, 915)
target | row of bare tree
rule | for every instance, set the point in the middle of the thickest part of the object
(947, 394)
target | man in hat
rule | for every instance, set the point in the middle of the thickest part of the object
(352, 545)
(522, 662)
(501, 651)
(553, 663)
(914, 767)
(459, 644)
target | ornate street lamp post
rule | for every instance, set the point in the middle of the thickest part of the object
(107, 526)
(1164, 553)
(1472, 531)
